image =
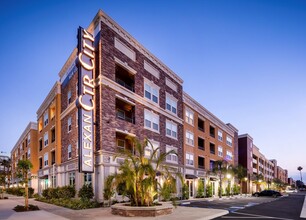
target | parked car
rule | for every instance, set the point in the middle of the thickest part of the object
(291, 190)
(272, 193)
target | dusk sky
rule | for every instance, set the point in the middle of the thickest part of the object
(245, 61)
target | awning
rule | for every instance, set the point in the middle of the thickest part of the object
(43, 177)
(190, 176)
(213, 179)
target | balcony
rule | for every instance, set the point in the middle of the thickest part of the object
(212, 131)
(123, 142)
(212, 148)
(124, 78)
(125, 111)
(201, 124)
(254, 161)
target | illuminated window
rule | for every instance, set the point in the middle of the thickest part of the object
(87, 178)
(229, 155)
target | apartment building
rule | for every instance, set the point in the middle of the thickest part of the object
(261, 171)
(282, 174)
(26, 148)
(206, 140)
(49, 138)
(135, 95)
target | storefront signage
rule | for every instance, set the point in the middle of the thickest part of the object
(85, 101)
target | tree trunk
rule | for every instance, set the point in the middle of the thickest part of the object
(26, 202)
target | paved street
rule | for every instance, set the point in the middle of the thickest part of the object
(286, 207)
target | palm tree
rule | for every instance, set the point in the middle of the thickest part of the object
(23, 168)
(300, 169)
(221, 167)
(138, 173)
(240, 173)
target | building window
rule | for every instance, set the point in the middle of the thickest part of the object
(29, 152)
(53, 181)
(220, 135)
(220, 151)
(212, 131)
(72, 179)
(189, 159)
(151, 120)
(52, 112)
(69, 151)
(171, 104)
(172, 157)
(69, 124)
(52, 135)
(211, 165)
(52, 157)
(151, 91)
(29, 139)
(46, 159)
(201, 162)
(40, 163)
(229, 155)
(46, 118)
(189, 138)
(229, 141)
(201, 143)
(40, 144)
(171, 129)
(201, 126)
(46, 139)
(150, 149)
(212, 148)
(87, 178)
(189, 116)
(69, 97)
(121, 144)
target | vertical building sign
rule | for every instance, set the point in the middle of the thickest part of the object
(85, 101)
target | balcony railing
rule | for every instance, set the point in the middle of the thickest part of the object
(124, 84)
(201, 148)
(125, 118)
(201, 167)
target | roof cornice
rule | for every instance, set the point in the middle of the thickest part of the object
(56, 89)
(245, 135)
(31, 126)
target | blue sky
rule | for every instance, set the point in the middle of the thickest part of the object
(245, 61)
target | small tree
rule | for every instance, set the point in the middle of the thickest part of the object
(200, 192)
(23, 168)
(240, 173)
(221, 167)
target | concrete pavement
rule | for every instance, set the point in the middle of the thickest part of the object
(49, 211)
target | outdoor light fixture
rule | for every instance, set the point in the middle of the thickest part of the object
(228, 176)
(245, 178)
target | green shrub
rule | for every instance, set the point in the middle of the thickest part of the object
(185, 191)
(86, 192)
(200, 191)
(19, 191)
(236, 189)
(75, 204)
(66, 192)
(209, 191)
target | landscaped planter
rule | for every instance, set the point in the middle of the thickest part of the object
(124, 209)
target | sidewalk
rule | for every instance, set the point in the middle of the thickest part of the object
(52, 212)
